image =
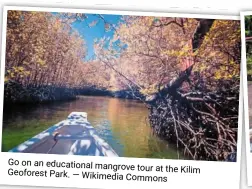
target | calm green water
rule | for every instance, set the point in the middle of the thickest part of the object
(122, 123)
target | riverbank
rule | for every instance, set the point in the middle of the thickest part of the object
(15, 93)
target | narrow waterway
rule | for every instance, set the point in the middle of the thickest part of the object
(122, 123)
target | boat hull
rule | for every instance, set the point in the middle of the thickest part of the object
(73, 136)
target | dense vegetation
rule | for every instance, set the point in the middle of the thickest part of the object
(248, 34)
(185, 70)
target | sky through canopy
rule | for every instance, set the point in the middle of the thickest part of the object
(90, 33)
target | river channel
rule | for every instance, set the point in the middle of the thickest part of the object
(121, 123)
